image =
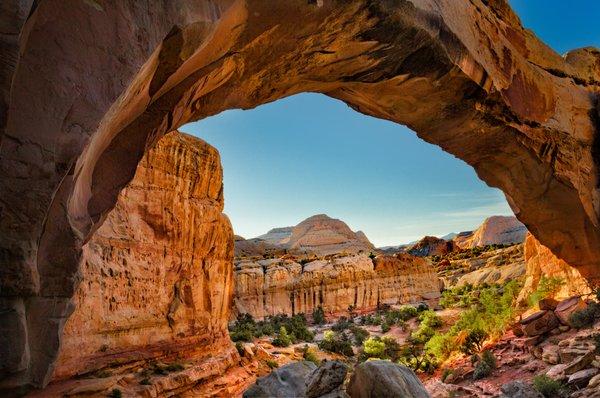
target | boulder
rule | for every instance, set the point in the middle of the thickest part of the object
(582, 378)
(548, 304)
(580, 363)
(539, 323)
(594, 381)
(385, 379)
(557, 372)
(550, 354)
(326, 378)
(284, 382)
(519, 389)
(565, 308)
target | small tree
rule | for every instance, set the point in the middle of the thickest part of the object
(374, 347)
(283, 339)
(318, 315)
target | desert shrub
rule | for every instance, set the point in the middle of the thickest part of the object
(430, 319)
(239, 347)
(374, 347)
(491, 313)
(309, 355)
(385, 327)
(115, 393)
(441, 345)
(473, 341)
(547, 386)
(422, 307)
(413, 355)
(283, 339)
(337, 343)
(359, 334)
(445, 373)
(484, 366)
(547, 287)
(372, 319)
(372, 255)
(272, 364)
(342, 324)
(586, 317)
(318, 315)
(482, 370)
(244, 328)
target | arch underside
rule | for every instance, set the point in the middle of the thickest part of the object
(93, 86)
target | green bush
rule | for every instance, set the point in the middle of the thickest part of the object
(283, 339)
(547, 287)
(342, 324)
(485, 366)
(474, 341)
(374, 347)
(310, 356)
(360, 335)
(272, 364)
(492, 312)
(445, 373)
(385, 327)
(430, 319)
(337, 343)
(239, 347)
(318, 316)
(586, 317)
(548, 387)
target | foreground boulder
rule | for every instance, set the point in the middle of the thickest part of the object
(385, 379)
(326, 378)
(519, 389)
(567, 307)
(539, 323)
(286, 381)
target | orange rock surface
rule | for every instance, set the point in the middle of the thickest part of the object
(275, 286)
(156, 278)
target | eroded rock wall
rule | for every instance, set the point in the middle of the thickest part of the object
(276, 286)
(156, 277)
(540, 262)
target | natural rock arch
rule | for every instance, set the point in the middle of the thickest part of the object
(88, 86)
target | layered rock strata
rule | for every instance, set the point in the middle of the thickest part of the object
(86, 87)
(156, 277)
(277, 286)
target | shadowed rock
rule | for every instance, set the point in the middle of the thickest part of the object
(373, 379)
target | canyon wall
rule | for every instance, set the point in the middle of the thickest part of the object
(279, 286)
(156, 277)
(541, 262)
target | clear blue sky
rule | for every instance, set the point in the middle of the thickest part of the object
(310, 154)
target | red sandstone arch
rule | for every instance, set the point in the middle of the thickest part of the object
(88, 86)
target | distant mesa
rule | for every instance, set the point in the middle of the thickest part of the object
(431, 246)
(319, 235)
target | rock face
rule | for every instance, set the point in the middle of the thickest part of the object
(495, 266)
(276, 286)
(255, 248)
(277, 236)
(494, 230)
(431, 246)
(540, 261)
(323, 235)
(157, 277)
(86, 89)
(385, 379)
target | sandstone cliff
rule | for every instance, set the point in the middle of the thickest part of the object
(156, 278)
(277, 236)
(494, 230)
(540, 261)
(275, 286)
